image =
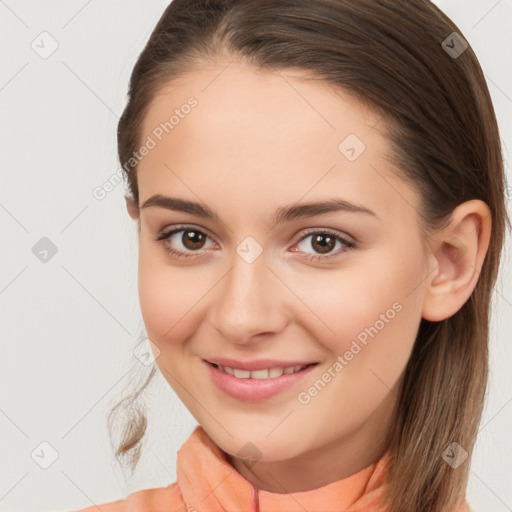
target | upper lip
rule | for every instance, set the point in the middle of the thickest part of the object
(257, 364)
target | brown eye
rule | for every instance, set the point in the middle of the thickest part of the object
(193, 239)
(323, 243)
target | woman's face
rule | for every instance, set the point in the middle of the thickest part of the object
(262, 276)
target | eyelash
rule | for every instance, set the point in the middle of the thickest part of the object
(163, 236)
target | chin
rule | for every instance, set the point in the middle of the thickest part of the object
(254, 446)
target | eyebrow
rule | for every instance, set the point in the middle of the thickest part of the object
(283, 214)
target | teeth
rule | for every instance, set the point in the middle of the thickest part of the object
(241, 374)
(275, 372)
(260, 374)
(271, 373)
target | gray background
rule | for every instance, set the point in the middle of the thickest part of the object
(69, 324)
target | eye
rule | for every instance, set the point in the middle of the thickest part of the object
(324, 241)
(191, 240)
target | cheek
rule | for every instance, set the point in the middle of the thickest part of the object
(168, 299)
(375, 320)
(378, 308)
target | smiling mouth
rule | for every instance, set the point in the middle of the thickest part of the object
(267, 380)
(266, 373)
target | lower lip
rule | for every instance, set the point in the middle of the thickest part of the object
(255, 389)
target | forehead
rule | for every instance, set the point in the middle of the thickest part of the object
(262, 102)
(274, 132)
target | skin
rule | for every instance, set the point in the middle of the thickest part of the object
(258, 140)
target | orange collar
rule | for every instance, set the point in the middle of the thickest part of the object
(208, 482)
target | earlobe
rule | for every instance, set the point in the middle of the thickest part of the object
(132, 207)
(458, 253)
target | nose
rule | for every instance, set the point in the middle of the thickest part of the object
(249, 302)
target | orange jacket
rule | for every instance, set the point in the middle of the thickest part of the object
(207, 482)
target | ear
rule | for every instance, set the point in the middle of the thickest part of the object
(457, 254)
(132, 207)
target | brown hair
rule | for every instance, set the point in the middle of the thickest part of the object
(442, 129)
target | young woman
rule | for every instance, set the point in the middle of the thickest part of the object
(318, 190)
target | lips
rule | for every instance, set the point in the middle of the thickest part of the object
(256, 389)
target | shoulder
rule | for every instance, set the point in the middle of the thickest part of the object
(161, 499)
